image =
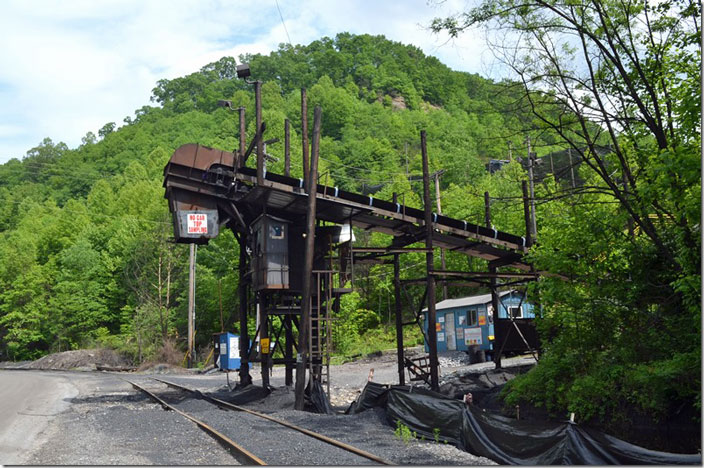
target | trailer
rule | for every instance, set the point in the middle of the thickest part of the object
(469, 324)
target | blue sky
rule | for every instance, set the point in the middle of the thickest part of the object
(69, 67)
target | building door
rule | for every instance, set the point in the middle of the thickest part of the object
(450, 331)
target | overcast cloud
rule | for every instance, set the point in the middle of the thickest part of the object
(69, 67)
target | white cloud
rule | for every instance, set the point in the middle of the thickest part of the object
(70, 67)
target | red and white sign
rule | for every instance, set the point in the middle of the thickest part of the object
(197, 223)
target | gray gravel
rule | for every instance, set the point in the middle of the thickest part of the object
(110, 423)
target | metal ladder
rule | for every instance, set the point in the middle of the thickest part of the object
(320, 336)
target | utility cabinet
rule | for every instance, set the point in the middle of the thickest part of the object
(270, 253)
(227, 351)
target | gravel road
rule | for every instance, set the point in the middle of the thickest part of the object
(104, 421)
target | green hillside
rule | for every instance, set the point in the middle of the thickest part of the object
(86, 257)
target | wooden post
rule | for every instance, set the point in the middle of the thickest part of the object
(191, 304)
(432, 334)
(264, 338)
(398, 310)
(304, 332)
(442, 251)
(245, 378)
(260, 146)
(526, 214)
(289, 349)
(569, 154)
(531, 163)
(304, 134)
(243, 137)
(287, 148)
(494, 293)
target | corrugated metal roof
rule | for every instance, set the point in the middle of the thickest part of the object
(466, 301)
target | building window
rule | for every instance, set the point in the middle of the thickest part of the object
(472, 318)
(515, 312)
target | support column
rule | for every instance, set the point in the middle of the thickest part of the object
(304, 134)
(264, 338)
(432, 334)
(260, 146)
(312, 188)
(289, 349)
(442, 251)
(191, 304)
(526, 214)
(243, 137)
(287, 148)
(494, 293)
(399, 318)
(245, 378)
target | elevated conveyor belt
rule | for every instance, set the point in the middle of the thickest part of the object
(202, 178)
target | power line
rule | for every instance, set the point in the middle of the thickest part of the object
(283, 22)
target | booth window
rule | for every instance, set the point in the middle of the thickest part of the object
(515, 312)
(472, 317)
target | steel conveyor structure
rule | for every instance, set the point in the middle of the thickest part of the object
(200, 178)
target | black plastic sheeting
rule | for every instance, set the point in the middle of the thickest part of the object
(316, 398)
(505, 440)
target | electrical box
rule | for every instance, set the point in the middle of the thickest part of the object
(270, 253)
(227, 351)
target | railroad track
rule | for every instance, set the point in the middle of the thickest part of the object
(252, 418)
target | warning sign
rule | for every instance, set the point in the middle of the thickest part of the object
(265, 345)
(197, 223)
(472, 336)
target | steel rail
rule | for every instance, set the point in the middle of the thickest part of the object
(249, 456)
(315, 435)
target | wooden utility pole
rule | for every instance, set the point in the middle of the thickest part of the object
(260, 146)
(304, 332)
(531, 161)
(398, 310)
(243, 136)
(494, 292)
(569, 154)
(437, 175)
(304, 134)
(191, 305)
(432, 334)
(526, 213)
(287, 148)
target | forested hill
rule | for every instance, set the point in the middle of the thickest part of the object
(86, 257)
(84, 229)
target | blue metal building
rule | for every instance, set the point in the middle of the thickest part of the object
(467, 324)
